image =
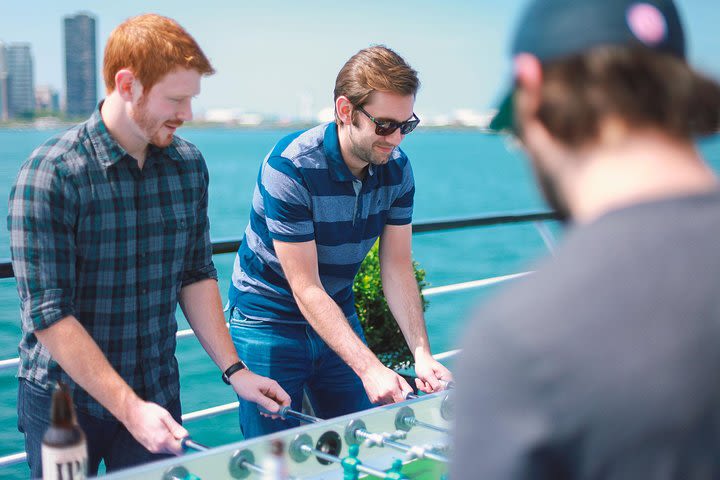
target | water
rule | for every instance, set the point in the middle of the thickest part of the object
(457, 173)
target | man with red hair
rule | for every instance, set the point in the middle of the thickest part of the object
(109, 232)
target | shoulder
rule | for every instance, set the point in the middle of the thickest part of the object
(61, 154)
(303, 149)
(297, 153)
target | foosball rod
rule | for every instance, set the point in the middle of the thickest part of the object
(243, 463)
(357, 429)
(287, 412)
(335, 459)
(189, 443)
(406, 419)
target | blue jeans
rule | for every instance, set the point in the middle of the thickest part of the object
(297, 358)
(107, 440)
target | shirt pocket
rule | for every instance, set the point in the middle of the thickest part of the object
(178, 225)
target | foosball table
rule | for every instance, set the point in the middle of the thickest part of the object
(407, 440)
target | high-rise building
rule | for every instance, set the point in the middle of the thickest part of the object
(80, 65)
(20, 81)
(47, 99)
(3, 84)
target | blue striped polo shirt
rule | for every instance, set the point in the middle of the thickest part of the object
(304, 192)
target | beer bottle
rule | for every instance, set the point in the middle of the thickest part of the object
(274, 467)
(64, 451)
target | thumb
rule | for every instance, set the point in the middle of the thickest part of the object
(268, 404)
(177, 430)
(404, 387)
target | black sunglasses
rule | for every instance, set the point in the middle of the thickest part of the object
(386, 127)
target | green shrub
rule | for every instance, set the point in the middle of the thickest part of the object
(381, 330)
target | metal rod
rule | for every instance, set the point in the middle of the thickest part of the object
(188, 442)
(288, 412)
(334, 459)
(546, 235)
(12, 363)
(252, 466)
(412, 421)
(13, 459)
(400, 446)
(485, 282)
(231, 245)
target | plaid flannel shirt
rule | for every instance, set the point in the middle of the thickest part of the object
(92, 235)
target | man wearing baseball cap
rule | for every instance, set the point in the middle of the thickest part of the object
(604, 363)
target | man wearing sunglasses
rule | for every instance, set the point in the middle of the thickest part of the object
(323, 197)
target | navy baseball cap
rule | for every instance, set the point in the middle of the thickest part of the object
(553, 29)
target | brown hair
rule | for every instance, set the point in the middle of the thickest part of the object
(151, 46)
(375, 68)
(640, 87)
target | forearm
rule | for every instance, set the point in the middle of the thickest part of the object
(72, 347)
(202, 306)
(403, 298)
(329, 321)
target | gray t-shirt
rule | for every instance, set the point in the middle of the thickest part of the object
(606, 362)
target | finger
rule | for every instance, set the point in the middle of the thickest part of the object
(279, 395)
(431, 380)
(268, 405)
(445, 375)
(170, 444)
(403, 389)
(422, 385)
(386, 398)
(176, 432)
(173, 446)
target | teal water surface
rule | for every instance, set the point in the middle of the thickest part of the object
(458, 174)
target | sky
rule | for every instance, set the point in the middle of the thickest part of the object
(281, 57)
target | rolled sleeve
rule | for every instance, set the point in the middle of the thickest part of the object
(40, 219)
(199, 265)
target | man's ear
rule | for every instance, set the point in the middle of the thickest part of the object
(344, 109)
(528, 81)
(127, 85)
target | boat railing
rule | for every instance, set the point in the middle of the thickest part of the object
(538, 219)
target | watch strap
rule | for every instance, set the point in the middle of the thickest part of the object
(234, 368)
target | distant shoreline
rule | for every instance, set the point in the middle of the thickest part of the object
(54, 124)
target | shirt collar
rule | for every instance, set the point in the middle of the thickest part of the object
(339, 170)
(109, 151)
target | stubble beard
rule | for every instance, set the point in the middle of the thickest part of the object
(551, 191)
(148, 126)
(367, 155)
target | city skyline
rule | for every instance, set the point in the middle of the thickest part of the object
(280, 58)
(80, 41)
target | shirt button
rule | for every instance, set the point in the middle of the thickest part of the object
(143, 291)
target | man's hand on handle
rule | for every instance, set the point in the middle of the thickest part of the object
(264, 391)
(384, 385)
(429, 374)
(154, 428)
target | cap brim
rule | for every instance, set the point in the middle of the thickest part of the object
(503, 120)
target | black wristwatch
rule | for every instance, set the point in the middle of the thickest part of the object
(235, 367)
